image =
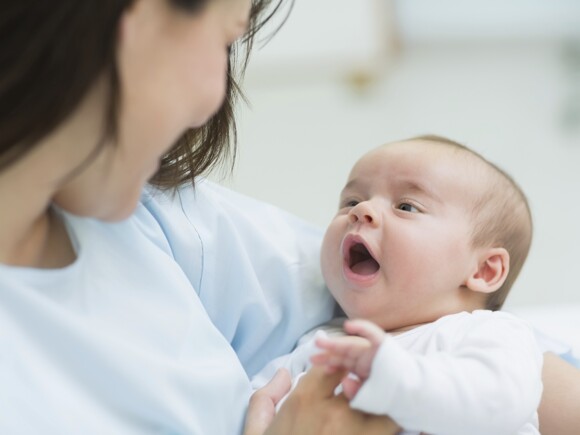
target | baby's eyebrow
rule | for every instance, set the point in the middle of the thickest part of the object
(402, 185)
(351, 185)
(419, 188)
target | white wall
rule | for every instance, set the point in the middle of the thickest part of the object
(505, 99)
(438, 20)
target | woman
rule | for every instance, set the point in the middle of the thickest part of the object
(123, 311)
(103, 328)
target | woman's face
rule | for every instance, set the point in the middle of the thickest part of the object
(172, 69)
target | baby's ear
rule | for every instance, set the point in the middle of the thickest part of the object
(491, 272)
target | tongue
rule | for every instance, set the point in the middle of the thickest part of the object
(365, 267)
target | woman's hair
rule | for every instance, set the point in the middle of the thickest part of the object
(51, 53)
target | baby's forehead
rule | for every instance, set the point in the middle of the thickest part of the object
(422, 146)
(420, 153)
(454, 169)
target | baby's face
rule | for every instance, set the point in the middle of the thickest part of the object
(399, 249)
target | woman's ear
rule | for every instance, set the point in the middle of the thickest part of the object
(491, 272)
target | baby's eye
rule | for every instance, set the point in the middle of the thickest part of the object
(349, 203)
(410, 208)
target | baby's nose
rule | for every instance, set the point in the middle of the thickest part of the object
(362, 213)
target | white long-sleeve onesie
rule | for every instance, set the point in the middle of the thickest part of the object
(476, 373)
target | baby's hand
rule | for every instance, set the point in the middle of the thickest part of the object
(354, 352)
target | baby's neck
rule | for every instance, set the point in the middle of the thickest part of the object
(405, 328)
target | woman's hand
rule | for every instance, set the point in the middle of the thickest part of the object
(262, 407)
(311, 409)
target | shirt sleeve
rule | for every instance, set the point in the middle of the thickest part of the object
(254, 266)
(488, 381)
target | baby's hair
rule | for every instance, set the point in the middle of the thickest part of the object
(501, 216)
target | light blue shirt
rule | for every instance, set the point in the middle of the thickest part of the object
(157, 325)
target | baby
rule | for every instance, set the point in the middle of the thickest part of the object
(428, 239)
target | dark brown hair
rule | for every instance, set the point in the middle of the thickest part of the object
(51, 53)
(501, 217)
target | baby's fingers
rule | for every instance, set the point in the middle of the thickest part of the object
(365, 329)
(323, 359)
(335, 361)
(319, 359)
(343, 345)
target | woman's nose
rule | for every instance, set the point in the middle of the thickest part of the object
(363, 213)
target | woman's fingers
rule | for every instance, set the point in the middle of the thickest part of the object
(313, 409)
(262, 406)
(350, 387)
(318, 382)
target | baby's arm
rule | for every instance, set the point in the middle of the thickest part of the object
(481, 375)
(354, 352)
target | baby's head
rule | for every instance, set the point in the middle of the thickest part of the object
(425, 227)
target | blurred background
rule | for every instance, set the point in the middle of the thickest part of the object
(501, 76)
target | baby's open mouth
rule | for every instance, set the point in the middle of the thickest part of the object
(360, 260)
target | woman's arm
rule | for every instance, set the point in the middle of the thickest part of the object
(272, 263)
(311, 409)
(560, 403)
